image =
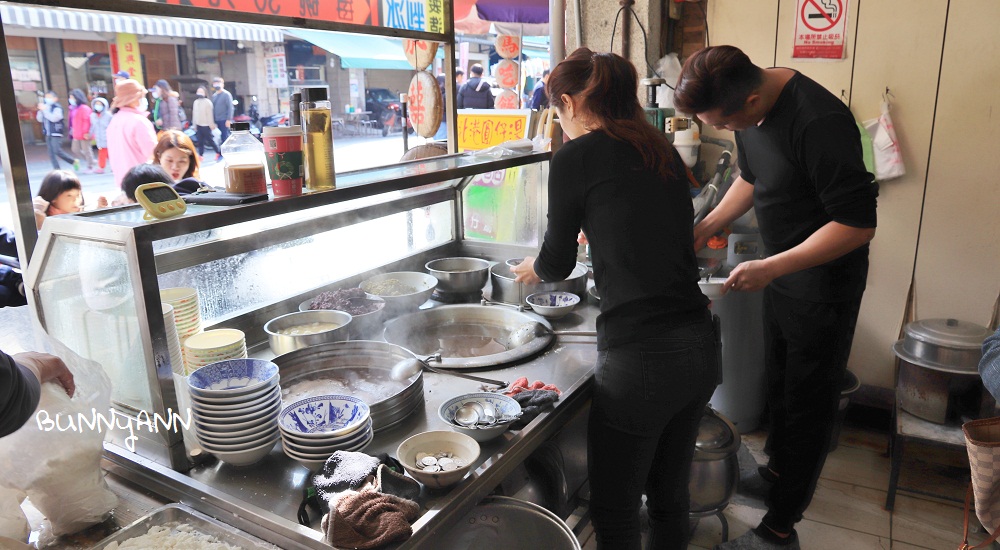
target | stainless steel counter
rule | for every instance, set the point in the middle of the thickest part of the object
(268, 493)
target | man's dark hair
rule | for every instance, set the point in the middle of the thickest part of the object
(716, 77)
(545, 73)
(459, 72)
(143, 173)
(476, 70)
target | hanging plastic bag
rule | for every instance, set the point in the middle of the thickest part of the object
(885, 146)
(57, 466)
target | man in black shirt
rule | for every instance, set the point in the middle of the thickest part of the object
(802, 170)
(475, 93)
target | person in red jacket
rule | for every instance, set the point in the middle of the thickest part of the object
(80, 130)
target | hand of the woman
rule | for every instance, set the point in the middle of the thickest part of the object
(525, 272)
(749, 277)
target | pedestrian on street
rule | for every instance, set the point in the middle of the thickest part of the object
(99, 121)
(80, 130)
(131, 137)
(222, 109)
(52, 117)
(801, 169)
(203, 118)
(166, 107)
(540, 99)
(119, 76)
(476, 93)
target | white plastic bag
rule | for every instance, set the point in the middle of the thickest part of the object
(60, 467)
(13, 524)
(888, 157)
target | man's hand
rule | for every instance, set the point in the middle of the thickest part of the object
(525, 272)
(47, 368)
(702, 233)
(750, 276)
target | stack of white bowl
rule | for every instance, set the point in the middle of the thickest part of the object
(314, 428)
(235, 405)
(187, 315)
(173, 340)
(214, 345)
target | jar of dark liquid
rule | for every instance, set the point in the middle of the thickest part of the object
(317, 138)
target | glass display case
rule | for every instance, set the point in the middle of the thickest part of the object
(96, 277)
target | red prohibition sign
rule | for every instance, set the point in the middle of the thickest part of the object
(822, 14)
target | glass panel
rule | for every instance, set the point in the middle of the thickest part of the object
(87, 302)
(505, 206)
(245, 282)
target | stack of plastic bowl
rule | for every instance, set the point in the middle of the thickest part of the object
(212, 346)
(187, 315)
(312, 429)
(235, 405)
(173, 340)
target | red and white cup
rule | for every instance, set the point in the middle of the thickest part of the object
(283, 150)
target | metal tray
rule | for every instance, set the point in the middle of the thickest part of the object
(181, 514)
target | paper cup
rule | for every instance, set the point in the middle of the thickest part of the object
(283, 150)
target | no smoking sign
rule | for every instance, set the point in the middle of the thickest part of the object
(820, 29)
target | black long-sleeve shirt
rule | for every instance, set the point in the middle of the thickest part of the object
(19, 394)
(805, 163)
(639, 226)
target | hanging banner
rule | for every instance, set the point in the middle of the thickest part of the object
(820, 29)
(482, 128)
(274, 66)
(414, 15)
(129, 59)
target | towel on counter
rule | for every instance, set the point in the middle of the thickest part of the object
(397, 484)
(532, 403)
(368, 519)
(344, 470)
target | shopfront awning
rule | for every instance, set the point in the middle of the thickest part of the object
(32, 17)
(357, 51)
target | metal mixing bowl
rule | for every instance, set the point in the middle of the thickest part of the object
(395, 305)
(459, 275)
(283, 343)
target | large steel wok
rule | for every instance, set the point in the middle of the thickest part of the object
(470, 336)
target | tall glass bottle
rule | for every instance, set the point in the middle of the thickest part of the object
(317, 139)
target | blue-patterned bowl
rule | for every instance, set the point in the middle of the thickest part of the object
(505, 406)
(552, 305)
(232, 377)
(324, 416)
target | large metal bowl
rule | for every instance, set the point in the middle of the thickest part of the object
(283, 343)
(459, 275)
(395, 305)
(364, 326)
(507, 291)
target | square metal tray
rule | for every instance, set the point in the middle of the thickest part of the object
(181, 514)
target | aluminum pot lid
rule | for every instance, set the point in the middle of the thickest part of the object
(714, 433)
(951, 333)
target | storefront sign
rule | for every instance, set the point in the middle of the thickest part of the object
(507, 100)
(274, 66)
(414, 15)
(820, 29)
(508, 46)
(482, 128)
(420, 53)
(127, 46)
(424, 97)
(507, 74)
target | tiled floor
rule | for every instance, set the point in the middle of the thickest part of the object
(847, 511)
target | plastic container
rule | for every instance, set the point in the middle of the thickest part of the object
(244, 156)
(317, 139)
(283, 151)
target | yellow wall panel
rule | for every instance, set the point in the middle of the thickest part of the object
(958, 258)
(913, 86)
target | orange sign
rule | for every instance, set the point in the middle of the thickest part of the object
(506, 100)
(508, 46)
(482, 128)
(357, 12)
(128, 55)
(507, 74)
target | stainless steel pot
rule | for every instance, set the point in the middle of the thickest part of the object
(715, 471)
(507, 291)
(504, 522)
(284, 343)
(459, 275)
(946, 345)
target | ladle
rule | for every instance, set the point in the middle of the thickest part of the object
(489, 416)
(412, 365)
(529, 331)
(469, 414)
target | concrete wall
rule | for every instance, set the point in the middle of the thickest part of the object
(598, 21)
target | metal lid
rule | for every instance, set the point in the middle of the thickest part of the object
(950, 333)
(713, 433)
(314, 94)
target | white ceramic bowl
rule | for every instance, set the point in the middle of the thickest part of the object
(316, 461)
(229, 436)
(244, 440)
(245, 457)
(422, 282)
(245, 422)
(228, 400)
(505, 406)
(232, 377)
(314, 447)
(234, 417)
(307, 443)
(459, 445)
(233, 447)
(324, 416)
(239, 407)
(552, 305)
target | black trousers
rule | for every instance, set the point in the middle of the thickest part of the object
(805, 356)
(649, 397)
(204, 134)
(56, 152)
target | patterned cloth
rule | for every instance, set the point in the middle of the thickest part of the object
(982, 440)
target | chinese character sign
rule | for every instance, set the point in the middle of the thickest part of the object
(479, 129)
(507, 100)
(820, 29)
(274, 67)
(424, 98)
(410, 15)
(129, 58)
(508, 46)
(420, 53)
(507, 74)
(356, 12)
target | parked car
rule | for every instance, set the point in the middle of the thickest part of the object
(385, 108)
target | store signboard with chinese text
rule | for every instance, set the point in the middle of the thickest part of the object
(274, 66)
(820, 29)
(482, 128)
(129, 59)
(411, 15)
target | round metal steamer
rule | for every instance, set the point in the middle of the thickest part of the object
(509, 292)
(341, 360)
(420, 331)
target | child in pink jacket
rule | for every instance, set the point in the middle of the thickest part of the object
(80, 129)
(131, 138)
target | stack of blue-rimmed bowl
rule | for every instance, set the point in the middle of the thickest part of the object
(313, 428)
(235, 405)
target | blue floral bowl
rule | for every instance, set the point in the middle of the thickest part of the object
(232, 377)
(324, 416)
(552, 305)
(504, 406)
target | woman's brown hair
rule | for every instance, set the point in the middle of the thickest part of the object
(607, 86)
(170, 139)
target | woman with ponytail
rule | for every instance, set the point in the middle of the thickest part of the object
(620, 180)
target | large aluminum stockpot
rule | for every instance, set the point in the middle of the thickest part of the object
(715, 471)
(504, 522)
(510, 292)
